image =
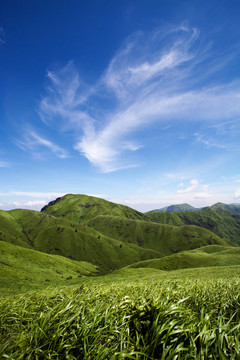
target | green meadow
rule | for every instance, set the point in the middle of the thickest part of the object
(129, 314)
(89, 279)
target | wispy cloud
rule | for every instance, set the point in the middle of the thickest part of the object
(25, 204)
(224, 135)
(237, 194)
(48, 195)
(154, 77)
(195, 188)
(193, 185)
(33, 141)
(20, 199)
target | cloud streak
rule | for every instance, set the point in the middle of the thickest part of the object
(33, 141)
(154, 77)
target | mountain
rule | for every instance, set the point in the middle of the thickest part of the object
(80, 208)
(178, 207)
(206, 256)
(233, 208)
(107, 235)
(166, 239)
(111, 236)
(221, 219)
(59, 236)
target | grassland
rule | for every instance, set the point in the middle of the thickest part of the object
(129, 314)
(166, 239)
(223, 220)
(25, 269)
(203, 257)
(107, 235)
(89, 279)
(60, 236)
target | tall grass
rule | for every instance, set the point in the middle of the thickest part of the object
(138, 320)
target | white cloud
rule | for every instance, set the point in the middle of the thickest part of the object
(19, 199)
(196, 190)
(202, 195)
(24, 203)
(194, 185)
(152, 78)
(47, 195)
(237, 194)
(34, 141)
(222, 135)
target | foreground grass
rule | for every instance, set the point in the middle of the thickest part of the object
(145, 316)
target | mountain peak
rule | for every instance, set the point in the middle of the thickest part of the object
(177, 207)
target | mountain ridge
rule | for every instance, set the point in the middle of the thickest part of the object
(111, 236)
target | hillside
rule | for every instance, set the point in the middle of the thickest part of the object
(166, 239)
(59, 236)
(107, 235)
(207, 256)
(20, 266)
(221, 219)
(80, 208)
(178, 207)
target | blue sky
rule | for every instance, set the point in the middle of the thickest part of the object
(137, 102)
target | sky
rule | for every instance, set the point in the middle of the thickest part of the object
(136, 102)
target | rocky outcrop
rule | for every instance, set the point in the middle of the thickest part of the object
(52, 203)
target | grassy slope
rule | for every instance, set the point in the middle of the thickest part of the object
(184, 314)
(21, 267)
(178, 207)
(79, 227)
(165, 239)
(203, 257)
(57, 235)
(80, 208)
(11, 231)
(220, 221)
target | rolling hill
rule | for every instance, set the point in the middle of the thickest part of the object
(80, 208)
(20, 266)
(221, 219)
(206, 256)
(177, 207)
(166, 239)
(111, 236)
(59, 236)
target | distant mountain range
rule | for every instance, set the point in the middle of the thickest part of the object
(178, 207)
(223, 220)
(109, 236)
(187, 207)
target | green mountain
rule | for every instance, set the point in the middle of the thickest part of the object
(166, 239)
(221, 219)
(178, 207)
(80, 208)
(20, 266)
(107, 235)
(234, 209)
(60, 236)
(207, 256)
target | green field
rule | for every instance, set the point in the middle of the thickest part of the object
(129, 314)
(89, 279)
